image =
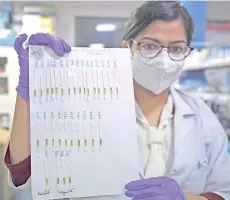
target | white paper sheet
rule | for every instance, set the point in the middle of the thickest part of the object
(83, 124)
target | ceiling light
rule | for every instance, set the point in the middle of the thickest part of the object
(105, 27)
(97, 45)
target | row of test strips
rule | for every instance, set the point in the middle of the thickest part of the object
(63, 180)
(66, 121)
(83, 83)
(77, 63)
(60, 145)
(64, 183)
(82, 125)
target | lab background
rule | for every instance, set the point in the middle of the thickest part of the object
(101, 24)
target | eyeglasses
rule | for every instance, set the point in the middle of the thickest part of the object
(151, 50)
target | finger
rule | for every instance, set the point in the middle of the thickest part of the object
(149, 192)
(157, 197)
(45, 39)
(39, 39)
(18, 44)
(57, 47)
(139, 193)
(55, 44)
(66, 46)
(60, 47)
(145, 183)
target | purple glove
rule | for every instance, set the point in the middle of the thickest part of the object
(59, 46)
(160, 188)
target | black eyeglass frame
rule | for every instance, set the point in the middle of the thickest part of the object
(162, 47)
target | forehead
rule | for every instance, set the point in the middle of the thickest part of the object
(165, 32)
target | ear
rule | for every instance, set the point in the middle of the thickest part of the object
(124, 44)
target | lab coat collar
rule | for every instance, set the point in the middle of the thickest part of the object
(182, 106)
(166, 115)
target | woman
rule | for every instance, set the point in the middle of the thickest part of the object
(183, 146)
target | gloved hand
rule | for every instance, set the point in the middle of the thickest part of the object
(59, 46)
(159, 188)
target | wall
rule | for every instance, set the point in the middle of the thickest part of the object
(68, 10)
(65, 20)
(218, 10)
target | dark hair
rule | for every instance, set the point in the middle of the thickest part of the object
(150, 11)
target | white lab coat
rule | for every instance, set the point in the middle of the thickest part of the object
(201, 160)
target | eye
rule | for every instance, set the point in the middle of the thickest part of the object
(177, 49)
(149, 46)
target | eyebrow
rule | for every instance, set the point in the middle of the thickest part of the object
(159, 42)
(178, 41)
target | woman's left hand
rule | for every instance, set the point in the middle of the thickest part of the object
(159, 188)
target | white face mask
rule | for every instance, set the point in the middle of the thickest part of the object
(156, 74)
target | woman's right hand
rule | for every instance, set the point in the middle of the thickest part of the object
(59, 46)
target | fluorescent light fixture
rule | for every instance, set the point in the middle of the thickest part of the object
(105, 27)
(97, 45)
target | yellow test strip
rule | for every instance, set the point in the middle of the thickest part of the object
(79, 143)
(47, 142)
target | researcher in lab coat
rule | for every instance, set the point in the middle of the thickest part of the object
(182, 144)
